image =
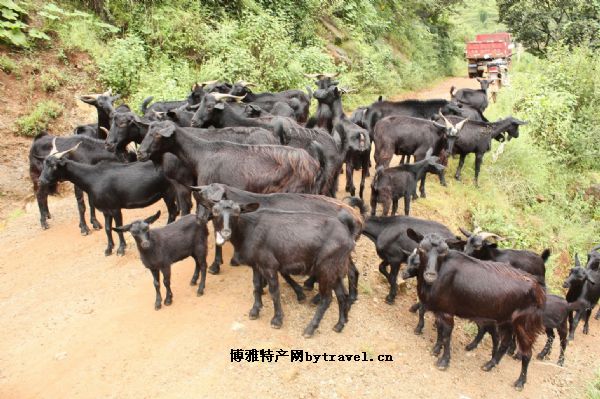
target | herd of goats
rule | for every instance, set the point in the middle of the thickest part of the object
(266, 175)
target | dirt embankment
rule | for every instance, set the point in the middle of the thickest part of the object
(77, 324)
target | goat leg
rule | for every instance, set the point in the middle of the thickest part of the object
(548, 347)
(95, 223)
(166, 271)
(300, 296)
(273, 281)
(480, 333)
(85, 230)
(461, 163)
(506, 339)
(349, 177)
(478, 162)
(562, 334)
(325, 292)
(447, 325)
(343, 305)
(352, 283)
(158, 301)
(41, 196)
(107, 226)
(421, 322)
(200, 264)
(363, 175)
(118, 216)
(258, 289)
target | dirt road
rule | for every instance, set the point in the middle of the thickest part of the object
(77, 324)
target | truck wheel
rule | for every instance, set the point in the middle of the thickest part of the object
(472, 75)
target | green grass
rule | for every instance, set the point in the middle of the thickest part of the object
(51, 80)
(39, 119)
(7, 65)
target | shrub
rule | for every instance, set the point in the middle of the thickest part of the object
(120, 70)
(51, 79)
(7, 65)
(39, 119)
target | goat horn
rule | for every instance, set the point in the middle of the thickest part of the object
(485, 235)
(222, 96)
(460, 124)
(597, 247)
(208, 82)
(54, 150)
(59, 155)
(88, 97)
(347, 90)
(244, 83)
(105, 130)
(477, 230)
(448, 123)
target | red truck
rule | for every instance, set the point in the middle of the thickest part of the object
(486, 48)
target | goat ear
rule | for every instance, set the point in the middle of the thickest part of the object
(520, 122)
(577, 262)
(456, 243)
(220, 106)
(167, 132)
(246, 208)
(429, 153)
(413, 235)
(379, 99)
(407, 253)
(138, 121)
(205, 202)
(152, 218)
(171, 114)
(122, 229)
(465, 232)
(590, 276)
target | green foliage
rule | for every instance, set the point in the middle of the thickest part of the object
(540, 24)
(7, 65)
(51, 79)
(121, 69)
(14, 28)
(560, 97)
(39, 119)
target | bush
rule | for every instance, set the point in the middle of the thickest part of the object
(39, 119)
(51, 79)
(120, 70)
(7, 65)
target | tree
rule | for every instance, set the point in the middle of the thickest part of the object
(540, 23)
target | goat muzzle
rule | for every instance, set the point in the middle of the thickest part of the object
(430, 277)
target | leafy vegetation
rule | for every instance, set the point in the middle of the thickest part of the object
(7, 65)
(39, 119)
(541, 24)
(14, 28)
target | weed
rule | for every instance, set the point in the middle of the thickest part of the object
(39, 119)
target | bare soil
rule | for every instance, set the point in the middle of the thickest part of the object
(77, 324)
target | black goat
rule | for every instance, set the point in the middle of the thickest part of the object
(261, 169)
(357, 138)
(589, 281)
(320, 247)
(424, 109)
(112, 187)
(479, 246)
(555, 317)
(477, 99)
(160, 248)
(91, 152)
(287, 202)
(104, 107)
(450, 283)
(391, 184)
(393, 246)
(476, 138)
(296, 99)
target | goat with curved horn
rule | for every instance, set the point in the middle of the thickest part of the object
(222, 96)
(487, 235)
(56, 154)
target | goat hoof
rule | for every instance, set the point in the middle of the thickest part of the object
(96, 225)
(316, 299)
(414, 308)
(214, 269)
(517, 356)
(301, 298)
(108, 252)
(157, 306)
(308, 287)
(571, 337)
(253, 315)
(488, 366)
(519, 385)
(586, 330)
(436, 351)
(308, 332)
(276, 323)
(561, 362)
(45, 226)
(470, 347)
(540, 356)
(200, 292)
(234, 262)
(418, 331)
(193, 281)
(442, 364)
(389, 300)
(338, 327)
(168, 301)
(121, 251)
(85, 231)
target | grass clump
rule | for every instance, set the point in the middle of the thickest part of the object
(39, 119)
(7, 65)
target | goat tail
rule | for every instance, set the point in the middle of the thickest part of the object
(545, 254)
(348, 220)
(527, 324)
(145, 103)
(452, 91)
(316, 151)
(358, 203)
